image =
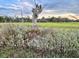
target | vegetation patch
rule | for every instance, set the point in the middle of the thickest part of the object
(23, 41)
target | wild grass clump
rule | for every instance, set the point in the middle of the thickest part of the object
(22, 41)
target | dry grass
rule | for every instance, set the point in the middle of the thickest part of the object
(22, 41)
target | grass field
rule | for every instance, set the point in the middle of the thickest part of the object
(73, 25)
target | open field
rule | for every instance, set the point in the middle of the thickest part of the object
(73, 25)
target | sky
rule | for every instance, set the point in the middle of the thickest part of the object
(50, 7)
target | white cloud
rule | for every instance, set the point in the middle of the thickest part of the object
(55, 13)
(27, 4)
(9, 7)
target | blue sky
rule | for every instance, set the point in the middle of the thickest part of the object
(51, 7)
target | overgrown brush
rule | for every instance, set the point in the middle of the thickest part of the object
(26, 42)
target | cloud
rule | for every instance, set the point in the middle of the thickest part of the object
(15, 8)
(26, 4)
(52, 7)
(71, 6)
(11, 7)
(55, 13)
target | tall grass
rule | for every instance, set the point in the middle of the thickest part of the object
(23, 41)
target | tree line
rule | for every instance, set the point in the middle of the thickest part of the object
(28, 19)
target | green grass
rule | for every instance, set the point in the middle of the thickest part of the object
(50, 24)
